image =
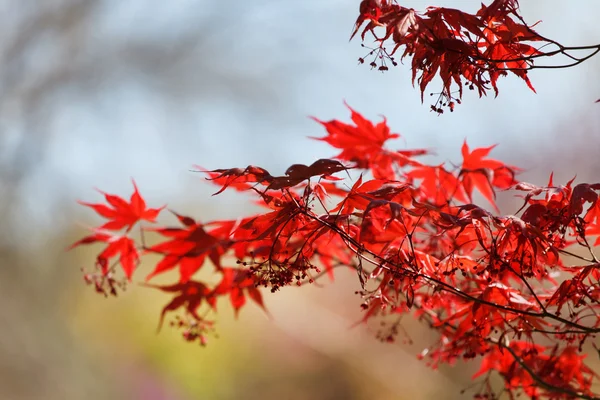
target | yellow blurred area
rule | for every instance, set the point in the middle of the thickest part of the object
(305, 348)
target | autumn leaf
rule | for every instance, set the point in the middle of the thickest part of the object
(122, 246)
(236, 282)
(186, 247)
(122, 213)
(189, 295)
(238, 177)
(353, 139)
(369, 10)
(436, 183)
(462, 49)
(362, 143)
(299, 172)
(484, 174)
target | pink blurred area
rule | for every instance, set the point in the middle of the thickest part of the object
(95, 92)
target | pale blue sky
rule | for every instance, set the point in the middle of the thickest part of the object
(289, 60)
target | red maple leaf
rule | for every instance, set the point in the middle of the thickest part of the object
(123, 214)
(239, 177)
(436, 183)
(452, 44)
(363, 143)
(236, 282)
(485, 174)
(187, 247)
(117, 245)
(190, 295)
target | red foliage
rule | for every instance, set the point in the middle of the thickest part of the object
(187, 247)
(363, 144)
(123, 214)
(458, 47)
(497, 288)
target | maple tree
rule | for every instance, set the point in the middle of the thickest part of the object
(517, 293)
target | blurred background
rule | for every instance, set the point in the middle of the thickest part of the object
(96, 92)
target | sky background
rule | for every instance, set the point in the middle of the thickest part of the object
(233, 84)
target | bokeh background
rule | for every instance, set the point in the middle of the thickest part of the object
(96, 92)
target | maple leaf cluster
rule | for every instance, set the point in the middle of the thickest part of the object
(492, 285)
(517, 293)
(121, 215)
(456, 46)
(185, 248)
